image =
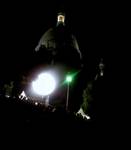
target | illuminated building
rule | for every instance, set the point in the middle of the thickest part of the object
(57, 53)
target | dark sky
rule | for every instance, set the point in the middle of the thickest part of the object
(22, 24)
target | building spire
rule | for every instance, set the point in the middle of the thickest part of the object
(101, 67)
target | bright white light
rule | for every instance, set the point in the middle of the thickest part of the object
(44, 85)
(36, 103)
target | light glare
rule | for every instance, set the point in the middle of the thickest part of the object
(44, 85)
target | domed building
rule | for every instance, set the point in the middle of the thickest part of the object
(58, 54)
(59, 45)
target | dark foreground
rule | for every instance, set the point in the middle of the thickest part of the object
(25, 122)
(20, 113)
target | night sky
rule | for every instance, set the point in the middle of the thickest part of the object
(95, 26)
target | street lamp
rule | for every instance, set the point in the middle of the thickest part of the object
(44, 85)
(69, 79)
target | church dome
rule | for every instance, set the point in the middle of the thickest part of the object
(56, 37)
(59, 45)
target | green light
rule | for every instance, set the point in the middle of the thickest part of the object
(69, 78)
